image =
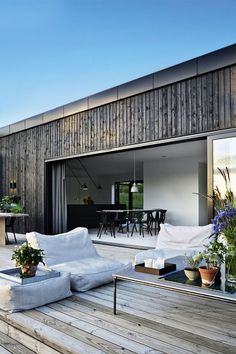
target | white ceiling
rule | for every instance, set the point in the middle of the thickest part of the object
(115, 162)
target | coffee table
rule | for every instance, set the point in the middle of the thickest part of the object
(175, 281)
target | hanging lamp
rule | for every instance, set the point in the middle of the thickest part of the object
(134, 188)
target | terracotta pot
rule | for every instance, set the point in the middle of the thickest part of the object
(28, 270)
(191, 274)
(208, 275)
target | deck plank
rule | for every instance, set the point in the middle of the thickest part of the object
(176, 298)
(80, 330)
(217, 332)
(143, 340)
(150, 301)
(114, 341)
(35, 333)
(9, 345)
(134, 327)
(149, 320)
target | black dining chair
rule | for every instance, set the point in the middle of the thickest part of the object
(158, 218)
(107, 222)
(142, 221)
(9, 226)
(125, 221)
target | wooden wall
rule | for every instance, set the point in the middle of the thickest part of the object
(200, 104)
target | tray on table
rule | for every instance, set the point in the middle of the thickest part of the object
(13, 274)
(169, 267)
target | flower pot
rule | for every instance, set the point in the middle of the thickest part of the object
(191, 274)
(230, 264)
(208, 275)
(28, 270)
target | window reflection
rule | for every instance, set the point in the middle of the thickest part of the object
(224, 155)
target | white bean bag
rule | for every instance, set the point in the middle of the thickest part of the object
(176, 242)
(74, 252)
(17, 297)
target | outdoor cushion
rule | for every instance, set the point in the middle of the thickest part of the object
(74, 252)
(91, 272)
(185, 236)
(17, 297)
(177, 241)
(65, 247)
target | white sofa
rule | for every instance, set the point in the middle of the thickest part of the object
(174, 243)
(75, 253)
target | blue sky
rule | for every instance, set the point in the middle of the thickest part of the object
(57, 51)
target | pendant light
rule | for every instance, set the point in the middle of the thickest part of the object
(83, 186)
(134, 188)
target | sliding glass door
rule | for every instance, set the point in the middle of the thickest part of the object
(221, 154)
(123, 194)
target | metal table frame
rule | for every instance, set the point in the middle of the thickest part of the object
(158, 282)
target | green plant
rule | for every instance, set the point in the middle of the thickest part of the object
(193, 262)
(213, 254)
(9, 204)
(25, 255)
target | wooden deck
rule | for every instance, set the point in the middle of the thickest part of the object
(148, 320)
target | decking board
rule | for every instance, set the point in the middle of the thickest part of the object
(136, 327)
(146, 322)
(9, 345)
(149, 320)
(160, 304)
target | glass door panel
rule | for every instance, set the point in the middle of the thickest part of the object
(224, 155)
(137, 198)
(124, 195)
(221, 154)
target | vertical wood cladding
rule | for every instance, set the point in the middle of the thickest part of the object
(201, 104)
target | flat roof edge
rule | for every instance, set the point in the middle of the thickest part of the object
(200, 65)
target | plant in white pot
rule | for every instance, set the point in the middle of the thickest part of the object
(213, 257)
(192, 262)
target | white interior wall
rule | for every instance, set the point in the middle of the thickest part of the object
(170, 184)
(202, 190)
(75, 195)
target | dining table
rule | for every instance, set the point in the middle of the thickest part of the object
(3, 217)
(141, 212)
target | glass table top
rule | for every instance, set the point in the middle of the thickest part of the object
(221, 286)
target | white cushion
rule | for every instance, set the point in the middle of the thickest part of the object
(177, 241)
(74, 252)
(75, 244)
(89, 273)
(16, 297)
(178, 237)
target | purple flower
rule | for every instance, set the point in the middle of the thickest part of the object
(224, 219)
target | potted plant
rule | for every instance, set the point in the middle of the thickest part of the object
(10, 204)
(213, 256)
(191, 270)
(224, 221)
(28, 259)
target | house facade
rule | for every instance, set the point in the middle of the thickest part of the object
(180, 121)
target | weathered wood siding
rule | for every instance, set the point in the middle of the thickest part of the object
(200, 104)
